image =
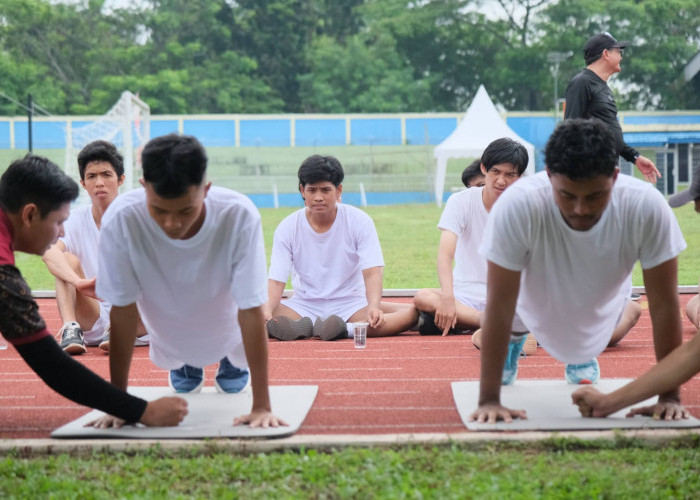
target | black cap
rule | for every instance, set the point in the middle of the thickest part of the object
(690, 194)
(598, 43)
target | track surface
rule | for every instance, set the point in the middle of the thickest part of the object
(396, 385)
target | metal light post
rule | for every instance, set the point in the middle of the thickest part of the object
(555, 58)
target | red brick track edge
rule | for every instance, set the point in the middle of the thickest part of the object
(396, 385)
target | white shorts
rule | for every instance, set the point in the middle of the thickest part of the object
(322, 308)
(95, 335)
(480, 305)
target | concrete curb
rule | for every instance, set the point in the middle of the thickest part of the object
(45, 447)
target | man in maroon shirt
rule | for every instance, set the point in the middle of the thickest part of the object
(35, 197)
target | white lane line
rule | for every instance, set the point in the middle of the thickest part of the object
(369, 393)
(355, 381)
(17, 397)
(376, 358)
(386, 426)
(384, 408)
(354, 369)
(24, 408)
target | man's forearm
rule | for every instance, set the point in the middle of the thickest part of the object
(275, 289)
(121, 343)
(255, 345)
(58, 266)
(373, 285)
(446, 280)
(75, 382)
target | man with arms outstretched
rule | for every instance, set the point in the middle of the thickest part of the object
(190, 259)
(35, 198)
(568, 239)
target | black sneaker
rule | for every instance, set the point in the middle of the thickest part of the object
(331, 328)
(284, 328)
(427, 326)
(635, 296)
(72, 338)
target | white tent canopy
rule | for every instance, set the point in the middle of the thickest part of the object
(482, 124)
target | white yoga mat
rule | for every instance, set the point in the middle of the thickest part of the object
(210, 415)
(549, 408)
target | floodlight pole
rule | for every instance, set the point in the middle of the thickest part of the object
(556, 58)
(30, 112)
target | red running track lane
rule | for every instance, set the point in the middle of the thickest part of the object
(396, 385)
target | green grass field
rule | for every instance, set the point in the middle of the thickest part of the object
(553, 469)
(409, 238)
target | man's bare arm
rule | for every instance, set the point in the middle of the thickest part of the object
(255, 344)
(121, 343)
(661, 284)
(275, 289)
(502, 295)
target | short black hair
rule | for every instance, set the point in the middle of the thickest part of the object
(172, 163)
(38, 180)
(100, 151)
(472, 171)
(505, 150)
(319, 168)
(581, 149)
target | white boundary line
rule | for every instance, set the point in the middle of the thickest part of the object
(388, 292)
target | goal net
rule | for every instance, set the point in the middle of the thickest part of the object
(126, 124)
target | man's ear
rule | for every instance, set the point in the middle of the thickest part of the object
(483, 169)
(120, 181)
(301, 191)
(339, 194)
(29, 214)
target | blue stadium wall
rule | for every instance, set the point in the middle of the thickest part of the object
(641, 129)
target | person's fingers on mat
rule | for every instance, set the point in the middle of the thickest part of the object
(646, 411)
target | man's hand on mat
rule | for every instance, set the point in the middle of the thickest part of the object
(106, 422)
(590, 402)
(446, 315)
(163, 412)
(663, 410)
(260, 418)
(492, 413)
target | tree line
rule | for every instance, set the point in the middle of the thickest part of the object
(334, 56)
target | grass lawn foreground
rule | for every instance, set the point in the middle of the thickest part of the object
(554, 468)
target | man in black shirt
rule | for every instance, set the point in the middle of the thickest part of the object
(35, 198)
(588, 95)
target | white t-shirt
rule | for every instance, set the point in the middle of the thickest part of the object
(574, 284)
(465, 215)
(326, 265)
(187, 291)
(82, 238)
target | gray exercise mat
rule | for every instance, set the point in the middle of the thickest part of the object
(549, 408)
(210, 415)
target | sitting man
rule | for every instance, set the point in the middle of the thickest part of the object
(460, 300)
(692, 309)
(35, 198)
(333, 253)
(569, 238)
(191, 257)
(73, 258)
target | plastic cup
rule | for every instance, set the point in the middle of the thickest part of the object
(360, 335)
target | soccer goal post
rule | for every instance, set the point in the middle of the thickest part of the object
(127, 124)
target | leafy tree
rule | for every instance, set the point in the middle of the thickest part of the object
(278, 33)
(364, 75)
(665, 35)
